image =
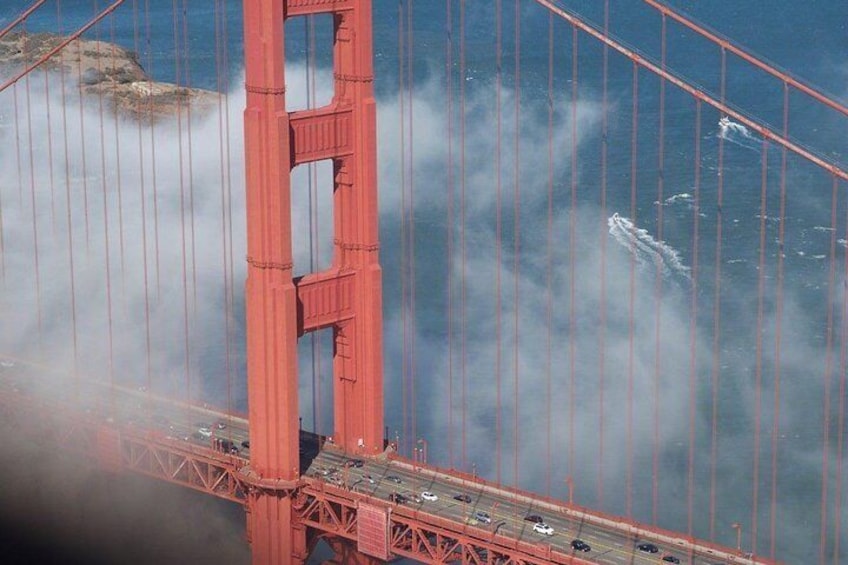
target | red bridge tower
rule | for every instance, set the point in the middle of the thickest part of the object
(346, 297)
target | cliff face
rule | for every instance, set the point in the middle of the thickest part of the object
(98, 68)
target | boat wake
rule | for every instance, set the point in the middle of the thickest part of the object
(738, 134)
(645, 249)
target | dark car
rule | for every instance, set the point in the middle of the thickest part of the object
(647, 547)
(535, 518)
(226, 446)
(671, 559)
(246, 444)
(463, 498)
(398, 498)
(357, 463)
(580, 545)
(394, 479)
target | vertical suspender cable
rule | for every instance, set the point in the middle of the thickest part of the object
(51, 178)
(828, 375)
(658, 280)
(716, 361)
(228, 226)
(572, 255)
(602, 327)
(69, 219)
(119, 183)
(411, 226)
(549, 262)
(516, 195)
(18, 144)
(183, 243)
(778, 334)
(403, 257)
(632, 317)
(840, 426)
(498, 235)
(155, 187)
(106, 255)
(83, 161)
(463, 283)
(450, 197)
(693, 323)
(34, 204)
(759, 355)
(143, 206)
(187, 67)
(220, 68)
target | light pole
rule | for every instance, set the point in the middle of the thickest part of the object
(423, 450)
(738, 527)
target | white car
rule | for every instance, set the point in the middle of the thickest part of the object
(543, 528)
(205, 430)
(429, 496)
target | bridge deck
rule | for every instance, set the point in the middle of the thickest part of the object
(176, 428)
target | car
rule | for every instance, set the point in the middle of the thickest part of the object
(246, 444)
(647, 548)
(226, 446)
(6, 364)
(429, 496)
(398, 498)
(580, 545)
(463, 498)
(369, 478)
(357, 463)
(221, 425)
(670, 559)
(483, 517)
(204, 429)
(543, 528)
(534, 518)
(394, 478)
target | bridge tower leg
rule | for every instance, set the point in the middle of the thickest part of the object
(347, 297)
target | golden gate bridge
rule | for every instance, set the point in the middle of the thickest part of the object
(557, 382)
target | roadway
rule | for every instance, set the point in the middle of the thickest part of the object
(612, 540)
(506, 510)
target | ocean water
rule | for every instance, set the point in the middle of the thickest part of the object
(569, 320)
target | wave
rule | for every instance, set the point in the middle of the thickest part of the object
(645, 249)
(738, 134)
(682, 197)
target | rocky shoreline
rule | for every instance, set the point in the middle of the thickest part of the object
(99, 68)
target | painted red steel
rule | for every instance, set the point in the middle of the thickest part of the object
(128, 448)
(346, 297)
(373, 527)
(373, 531)
(285, 512)
(425, 538)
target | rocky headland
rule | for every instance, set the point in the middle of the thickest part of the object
(98, 68)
